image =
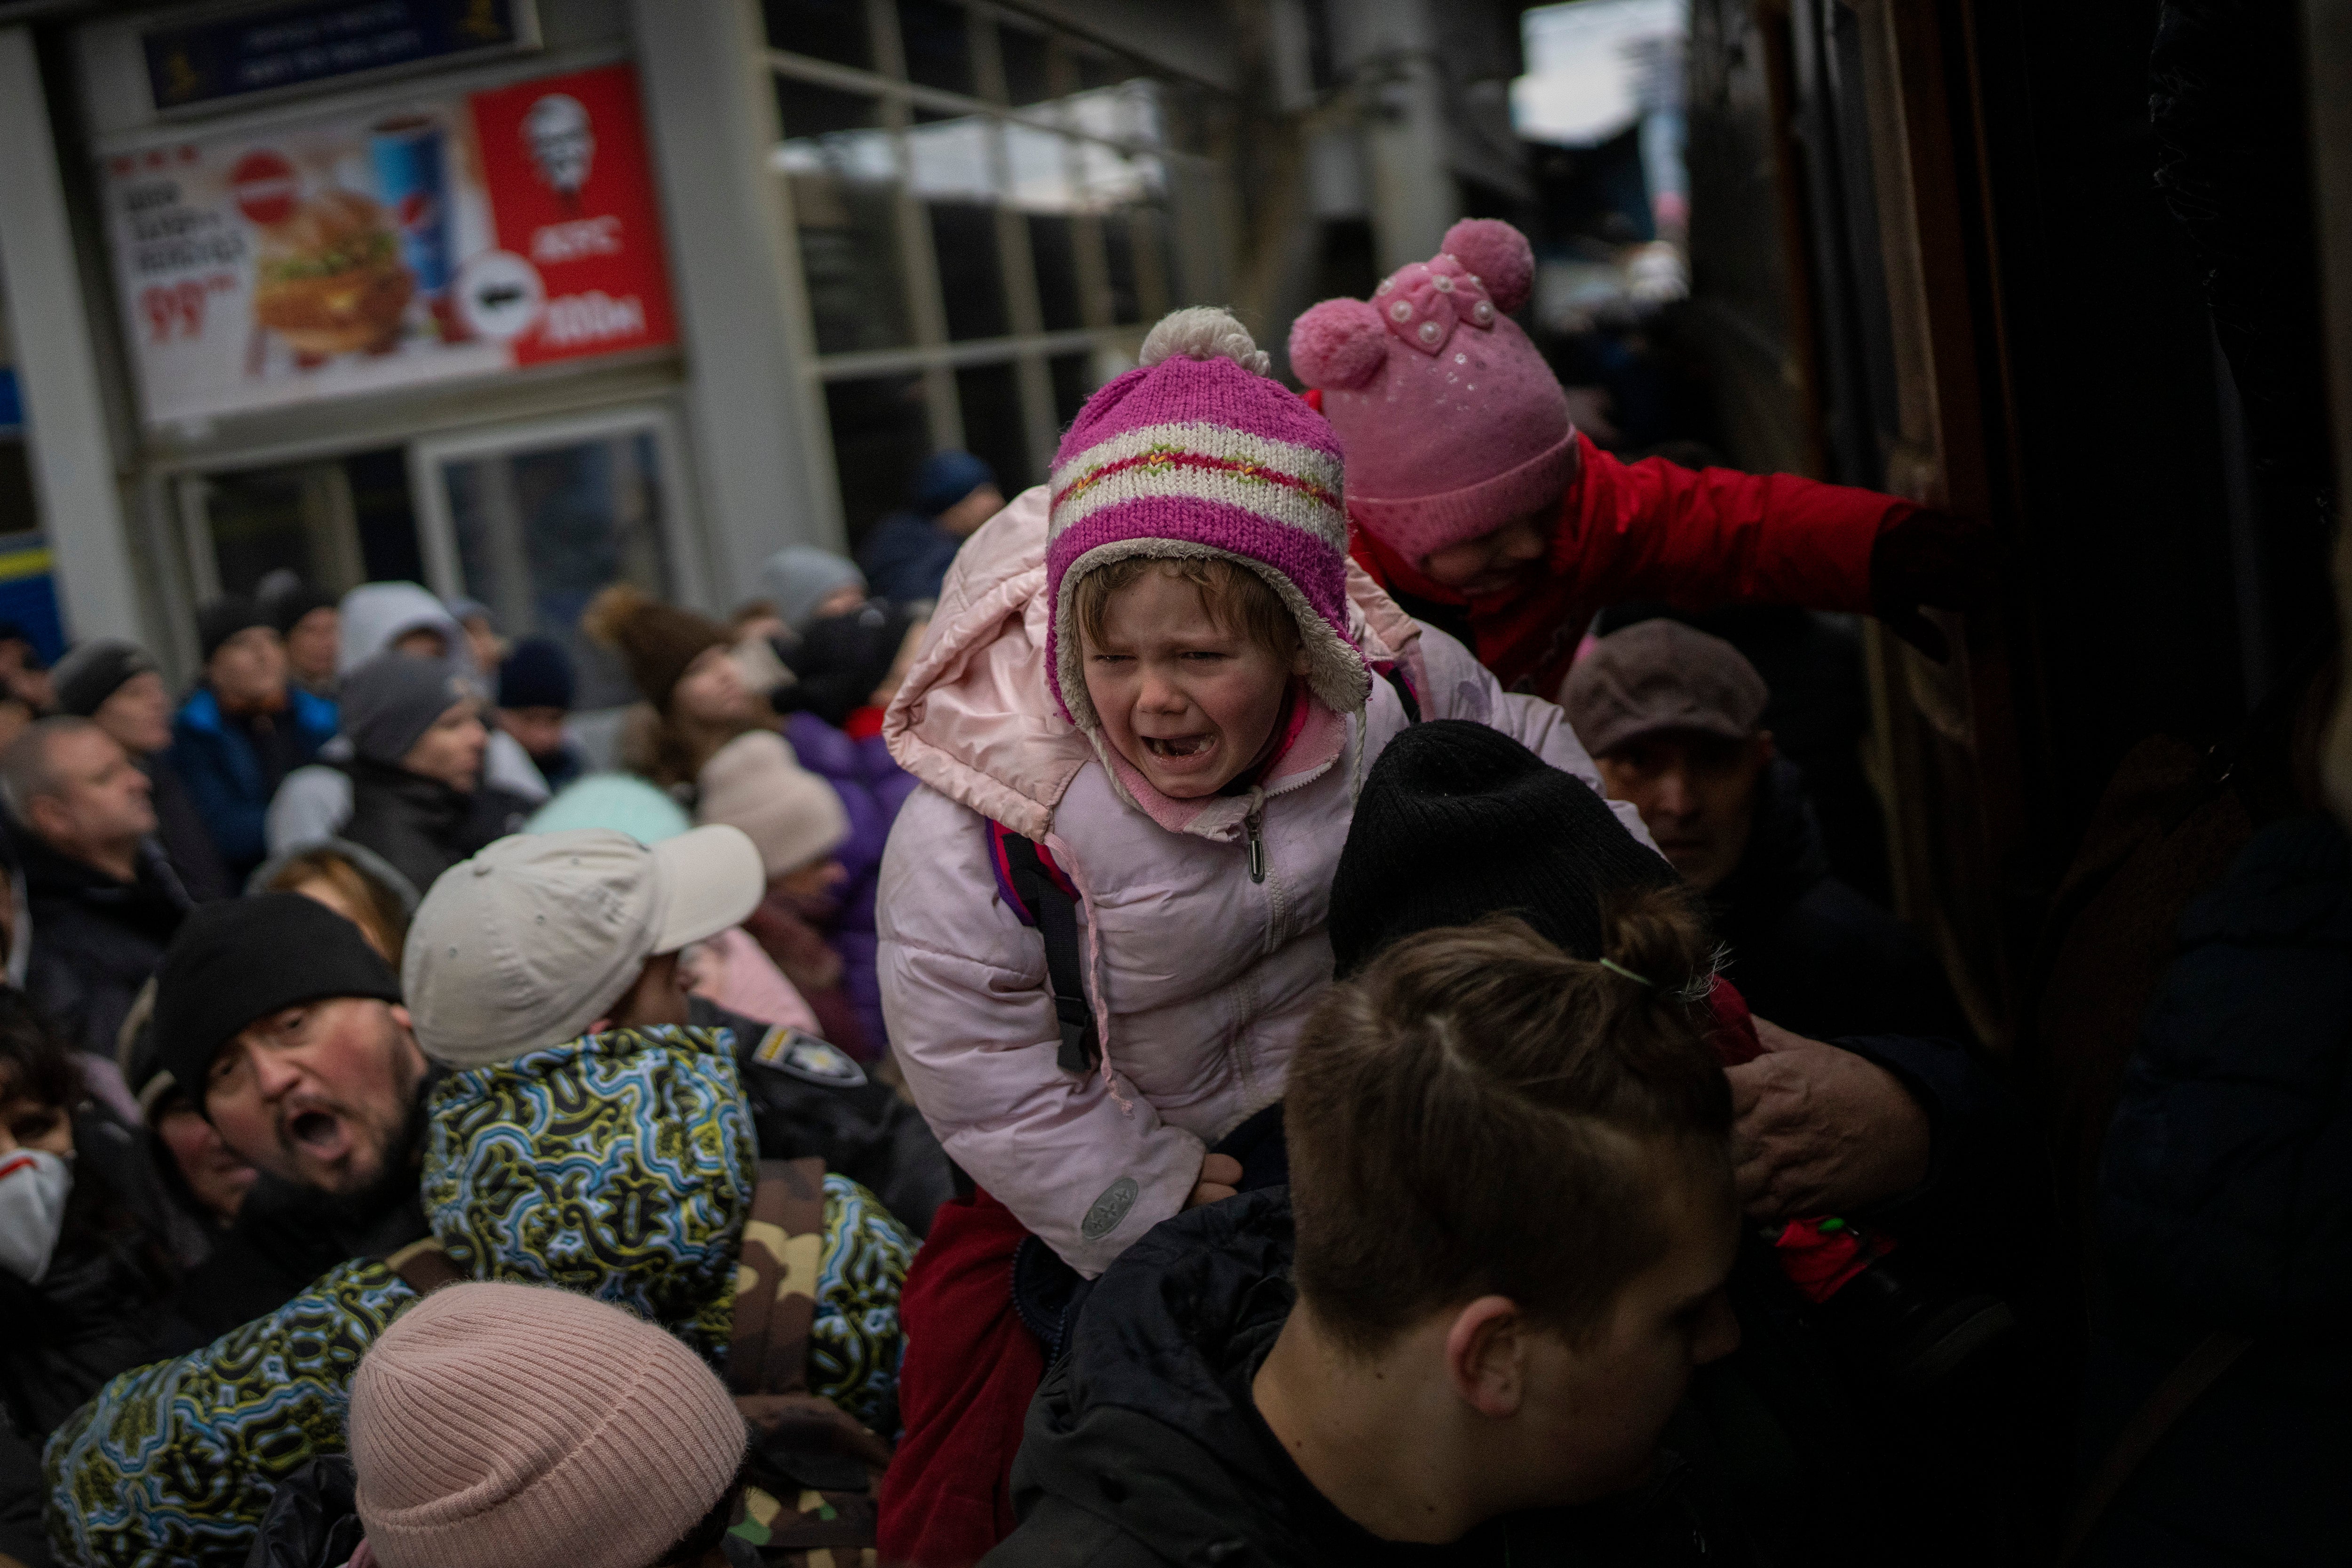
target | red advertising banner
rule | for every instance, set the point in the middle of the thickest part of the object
(448, 236)
(579, 209)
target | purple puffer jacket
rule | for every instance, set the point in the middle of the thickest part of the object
(872, 787)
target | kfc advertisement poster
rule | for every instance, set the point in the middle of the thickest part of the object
(441, 238)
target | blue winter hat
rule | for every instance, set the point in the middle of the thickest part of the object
(537, 674)
(945, 479)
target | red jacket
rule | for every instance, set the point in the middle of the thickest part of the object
(1654, 531)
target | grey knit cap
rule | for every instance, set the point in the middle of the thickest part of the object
(391, 701)
(799, 576)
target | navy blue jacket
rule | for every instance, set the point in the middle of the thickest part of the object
(231, 778)
(2225, 1203)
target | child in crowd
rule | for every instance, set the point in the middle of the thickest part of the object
(1466, 1321)
(1476, 500)
(1160, 687)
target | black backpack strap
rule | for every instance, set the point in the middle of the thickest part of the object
(1394, 675)
(1056, 914)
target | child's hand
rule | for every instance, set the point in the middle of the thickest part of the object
(1219, 1175)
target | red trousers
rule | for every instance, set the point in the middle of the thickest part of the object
(971, 1369)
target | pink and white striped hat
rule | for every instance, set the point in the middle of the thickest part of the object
(1198, 453)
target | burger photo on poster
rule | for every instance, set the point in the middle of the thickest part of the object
(330, 278)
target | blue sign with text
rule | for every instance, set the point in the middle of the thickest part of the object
(288, 46)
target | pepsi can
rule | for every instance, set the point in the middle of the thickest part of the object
(411, 182)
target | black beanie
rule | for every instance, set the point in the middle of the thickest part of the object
(223, 619)
(537, 674)
(1458, 822)
(95, 671)
(294, 600)
(236, 960)
(842, 660)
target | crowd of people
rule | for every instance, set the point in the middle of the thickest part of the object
(1237, 1007)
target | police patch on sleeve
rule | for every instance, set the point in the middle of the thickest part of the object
(808, 1059)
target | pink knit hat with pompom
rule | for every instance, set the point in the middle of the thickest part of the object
(1452, 423)
(1198, 453)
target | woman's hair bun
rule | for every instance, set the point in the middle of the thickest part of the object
(1497, 255)
(1205, 331)
(1338, 344)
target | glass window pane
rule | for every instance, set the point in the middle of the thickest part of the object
(1053, 247)
(335, 523)
(953, 155)
(880, 436)
(540, 534)
(1074, 381)
(971, 275)
(1118, 254)
(994, 428)
(832, 30)
(1028, 65)
(1041, 162)
(844, 189)
(937, 48)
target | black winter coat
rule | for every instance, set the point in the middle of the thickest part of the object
(179, 828)
(422, 825)
(2225, 1203)
(95, 940)
(1143, 1446)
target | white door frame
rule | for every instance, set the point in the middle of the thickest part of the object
(437, 531)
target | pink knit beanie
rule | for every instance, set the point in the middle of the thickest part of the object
(1197, 453)
(519, 1426)
(1451, 422)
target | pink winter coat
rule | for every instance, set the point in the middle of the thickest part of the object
(1200, 979)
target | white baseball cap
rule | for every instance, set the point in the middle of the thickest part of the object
(534, 939)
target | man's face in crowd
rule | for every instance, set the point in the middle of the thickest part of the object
(1497, 563)
(1592, 1408)
(310, 645)
(321, 1093)
(540, 730)
(451, 749)
(1696, 795)
(138, 714)
(248, 670)
(100, 799)
(420, 642)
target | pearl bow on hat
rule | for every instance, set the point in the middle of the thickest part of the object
(1423, 304)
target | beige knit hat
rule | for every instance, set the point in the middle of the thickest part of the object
(519, 1426)
(755, 782)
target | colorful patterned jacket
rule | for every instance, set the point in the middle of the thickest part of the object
(620, 1166)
